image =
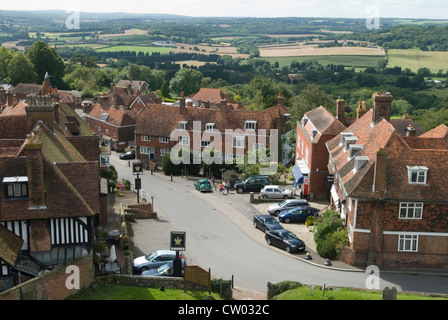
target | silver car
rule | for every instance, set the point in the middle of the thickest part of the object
(275, 209)
(275, 192)
(154, 260)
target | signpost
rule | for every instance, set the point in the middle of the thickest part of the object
(177, 243)
(137, 169)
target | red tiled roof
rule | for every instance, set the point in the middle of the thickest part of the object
(116, 117)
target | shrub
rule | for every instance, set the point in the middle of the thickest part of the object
(309, 221)
(330, 235)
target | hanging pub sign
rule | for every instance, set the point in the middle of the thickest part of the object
(177, 242)
(137, 168)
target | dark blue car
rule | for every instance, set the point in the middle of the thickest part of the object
(266, 222)
(285, 240)
(298, 214)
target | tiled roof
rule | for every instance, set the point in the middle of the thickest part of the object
(115, 116)
(161, 120)
(402, 152)
(10, 246)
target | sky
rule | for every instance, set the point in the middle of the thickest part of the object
(418, 9)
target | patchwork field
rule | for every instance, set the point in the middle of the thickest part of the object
(415, 59)
(346, 60)
(137, 49)
(311, 50)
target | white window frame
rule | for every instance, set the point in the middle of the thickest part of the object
(408, 242)
(206, 143)
(107, 131)
(146, 138)
(184, 140)
(164, 139)
(420, 172)
(164, 151)
(147, 150)
(239, 141)
(183, 125)
(209, 127)
(250, 125)
(413, 210)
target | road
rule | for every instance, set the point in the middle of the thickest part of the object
(220, 236)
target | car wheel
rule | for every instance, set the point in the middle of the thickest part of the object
(285, 197)
(288, 249)
(268, 241)
(264, 196)
(240, 190)
(287, 220)
(276, 213)
(255, 225)
(142, 269)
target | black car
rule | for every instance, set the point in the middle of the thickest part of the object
(253, 183)
(128, 155)
(265, 222)
(284, 239)
(297, 214)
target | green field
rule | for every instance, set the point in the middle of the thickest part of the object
(415, 59)
(136, 49)
(349, 61)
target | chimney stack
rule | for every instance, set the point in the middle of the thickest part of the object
(35, 170)
(104, 101)
(380, 173)
(281, 99)
(182, 106)
(410, 131)
(2, 96)
(224, 107)
(340, 110)
(382, 104)
(9, 99)
(362, 109)
(39, 109)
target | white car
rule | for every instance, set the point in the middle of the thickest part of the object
(275, 209)
(275, 192)
(154, 260)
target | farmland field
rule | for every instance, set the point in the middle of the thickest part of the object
(136, 49)
(415, 59)
(307, 50)
(349, 61)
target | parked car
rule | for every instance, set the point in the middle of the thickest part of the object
(154, 260)
(298, 214)
(266, 222)
(128, 155)
(166, 270)
(275, 209)
(253, 183)
(274, 192)
(203, 185)
(284, 239)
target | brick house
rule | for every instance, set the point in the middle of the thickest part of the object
(392, 194)
(199, 128)
(116, 127)
(313, 131)
(48, 210)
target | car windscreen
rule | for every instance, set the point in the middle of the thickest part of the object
(151, 256)
(271, 221)
(282, 204)
(288, 236)
(163, 268)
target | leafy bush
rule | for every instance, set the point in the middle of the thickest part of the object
(169, 168)
(330, 235)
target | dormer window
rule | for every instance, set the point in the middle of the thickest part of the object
(344, 135)
(15, 187)
(104, 116)
(354, 149)
(348, 141)
(360, 162)
(209, 127)
(304, 121)
(417, 174)
(250, 125)
(183, 125)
